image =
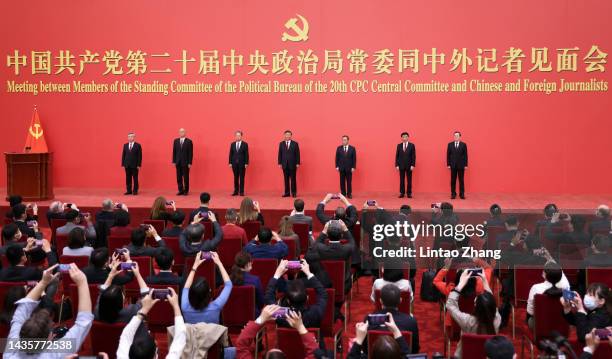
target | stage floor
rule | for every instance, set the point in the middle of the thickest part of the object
(476, 202)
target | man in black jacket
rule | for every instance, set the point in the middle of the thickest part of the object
(346, 162)
(405, 160)
(295, 296)
(27, 226)
(347, 214)
(131, 160)
(390, 298)
(139, 236)
(289, 161)
(177, 218)
(98, 268)
(18, 270)
(182, 156)
(164, 259)
(457, 162)
(601, 223)
(328, 246)
(191, 241)
(238, 161)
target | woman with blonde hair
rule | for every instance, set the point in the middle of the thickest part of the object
(249, 211)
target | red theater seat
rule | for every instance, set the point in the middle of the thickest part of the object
(472, 345)
(289, 341)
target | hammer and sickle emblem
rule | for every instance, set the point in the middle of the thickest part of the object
(38, 131)
(299, 34)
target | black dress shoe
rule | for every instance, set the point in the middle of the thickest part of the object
(294, 195)
(401, 195)
(286, 195)
(235, 194)
(127, 193)
(462, 196)
(180, 193)
(409, 196)
(349, 196)
(135, 193)
(242, 195)
(453, 196)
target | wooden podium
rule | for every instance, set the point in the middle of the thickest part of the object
(29, 175)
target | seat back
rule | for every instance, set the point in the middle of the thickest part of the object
(227, 250)
(105, 337)
(291, 247)
(163, 315)
(208, 229)
(290, 342)
(80, 261)
(144, 266)
(356, 232)
(251, 228)
(524, 278)
(264, 268)
(327, 322)
(373, 335)
(206, 270)
(404, 306)
(94, 292)
(603, 351)
(115, 242)
(336, 271)
(240, 307)
(492, 233)
(599, 275)
(54, 225)
(158, 224)
(548, 317)
(61, 241)
(302, 230)
(172, 243)
(472, 345)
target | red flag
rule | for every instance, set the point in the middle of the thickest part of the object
(35, 142)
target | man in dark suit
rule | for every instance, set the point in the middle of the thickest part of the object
(164, 259)
(298, 215)
(457, 162)
(131, 160)
(138, 247)
(238, 161)
(601, 223)
(405, 160)
(289, 161)
(97, 270)
(182, 155)
(346, 162)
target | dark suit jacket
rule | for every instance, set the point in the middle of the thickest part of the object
(351, 215)
(167, 278)
(144, 251)
(182, 155)
(288, 158)
(346, 160)
(173, 231)
(404, 322)
(98, 276)
(457, 158)
(133, 158)
(320, 251)
(25, 230)
(189, 249)
(196, 211)
(302, 218)
(599, 225)
(405, 159)
(25, 273)
(311, 315)
(240, 157)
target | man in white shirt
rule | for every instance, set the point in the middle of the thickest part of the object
(553, 277)
(147, 348)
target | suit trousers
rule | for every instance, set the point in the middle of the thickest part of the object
(346, 181)
(289, 174)
(457, 172)
(131, 179)
(182, 178)
(405, 181)
(239, 173)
